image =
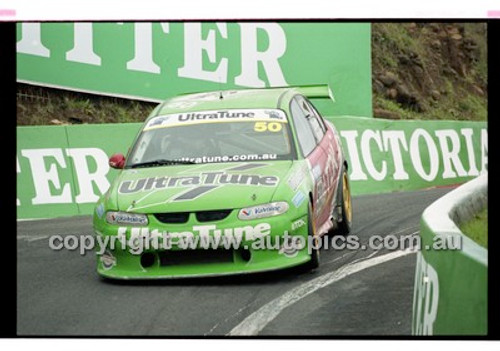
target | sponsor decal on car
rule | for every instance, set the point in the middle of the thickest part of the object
(298, 198)
(246, 213)
(316, 172)
(273, 114)
(296, 179)
(227, 158)
(298, 224)
(100, 210)
(232, 115)
(205, 179)
(262, 211)
(113, 217)
(248, 232)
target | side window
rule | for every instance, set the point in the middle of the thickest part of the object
(318, 116)
(307, 140)
(312, 119)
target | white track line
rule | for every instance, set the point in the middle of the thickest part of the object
(32, 238)
(258, 320)
(32, 219)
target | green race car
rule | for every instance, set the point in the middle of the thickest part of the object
(223, 183)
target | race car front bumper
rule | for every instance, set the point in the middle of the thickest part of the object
(266, 244)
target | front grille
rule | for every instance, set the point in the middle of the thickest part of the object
(173, 217)
(186, 257)
(183, 217)
(208, 216)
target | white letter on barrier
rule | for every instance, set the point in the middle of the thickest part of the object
(85, 178)
(416, 158)
(431, 300)
(467, 133)
(143, 46)
(83, 49)
(31, 42)
(250, 56)
(450, 157)
(367, 136)
(484, 150)
(18, 170)
(194, 46)
(352, 149)
(42, 177)
(392, 139)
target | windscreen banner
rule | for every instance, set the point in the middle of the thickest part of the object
(155, 61)
(63, 170)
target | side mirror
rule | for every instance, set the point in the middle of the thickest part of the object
(117, 161)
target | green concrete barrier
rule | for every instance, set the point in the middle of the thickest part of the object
(451, 285)
(62, 170)
(388, 155)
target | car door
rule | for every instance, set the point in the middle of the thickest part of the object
(310, 139)
(333, 166)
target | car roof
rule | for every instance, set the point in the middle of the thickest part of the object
(245, 98)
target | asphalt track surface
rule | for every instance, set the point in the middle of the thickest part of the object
(60, 294)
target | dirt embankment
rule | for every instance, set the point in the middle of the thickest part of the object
(429, 70)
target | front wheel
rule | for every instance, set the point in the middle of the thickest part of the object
(344, 222)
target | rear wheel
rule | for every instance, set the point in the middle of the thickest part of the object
(344, 222)
(314, 262)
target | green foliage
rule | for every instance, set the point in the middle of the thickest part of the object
(478, 33)
(39, 106)
(477, 228)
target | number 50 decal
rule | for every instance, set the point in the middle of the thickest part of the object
(265, 126)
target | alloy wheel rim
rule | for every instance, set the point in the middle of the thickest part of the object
(347, 198)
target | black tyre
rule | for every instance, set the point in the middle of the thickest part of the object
(311, 229)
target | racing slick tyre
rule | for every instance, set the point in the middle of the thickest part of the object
(344, 222)
(311, 230)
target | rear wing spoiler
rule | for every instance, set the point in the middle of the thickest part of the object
(315, 91)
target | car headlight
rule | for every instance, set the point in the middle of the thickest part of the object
(263, 211)
(113, 217)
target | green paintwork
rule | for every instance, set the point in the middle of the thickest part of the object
(251, 98)
(228, 196)
(126, 195)
(232, 197)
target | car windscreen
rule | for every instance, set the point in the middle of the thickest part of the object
(214, 136)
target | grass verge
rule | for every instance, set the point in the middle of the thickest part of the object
(477, 228)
